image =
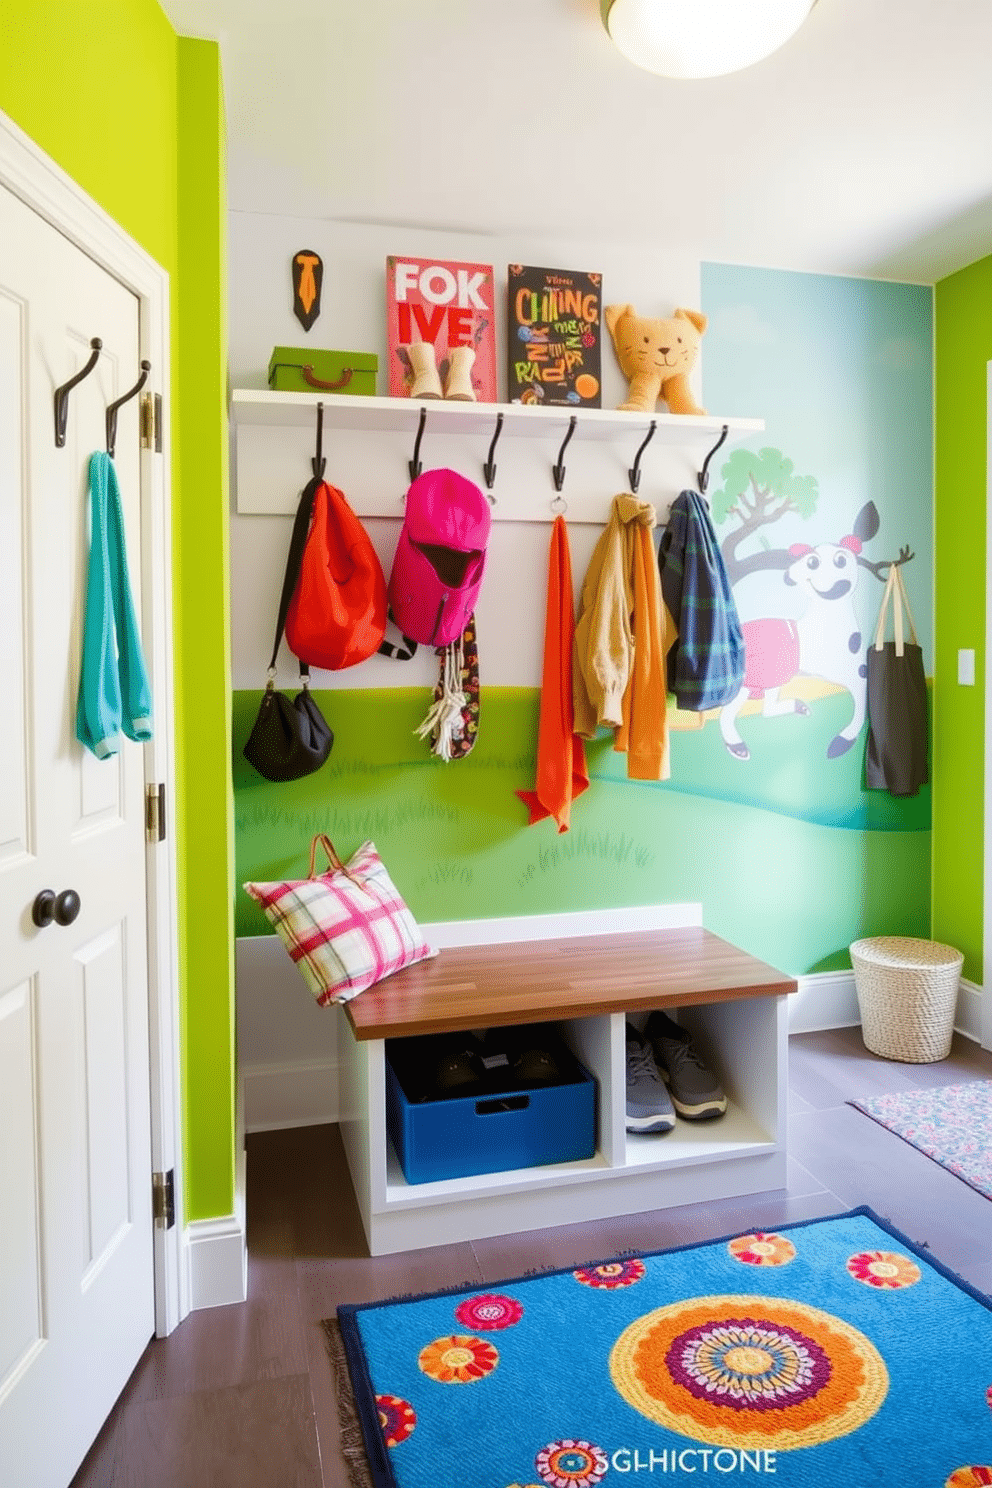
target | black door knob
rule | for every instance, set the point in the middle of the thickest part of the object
(43, 908)
(66, 907)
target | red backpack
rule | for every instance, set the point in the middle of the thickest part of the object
(337, 614)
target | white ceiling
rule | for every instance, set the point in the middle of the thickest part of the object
(864, 146)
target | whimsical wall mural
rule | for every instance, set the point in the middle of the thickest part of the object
(765, 820)
(811, 521)
(826, 641)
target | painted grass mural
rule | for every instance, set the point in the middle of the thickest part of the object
(456, 841)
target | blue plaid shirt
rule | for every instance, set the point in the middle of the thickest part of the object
(706, 663)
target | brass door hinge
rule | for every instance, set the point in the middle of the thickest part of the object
(155, 813)
(151, 422)
(164, 1199)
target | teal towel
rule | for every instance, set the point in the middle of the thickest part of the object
(114, 694)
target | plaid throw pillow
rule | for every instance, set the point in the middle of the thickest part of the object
(345, 929)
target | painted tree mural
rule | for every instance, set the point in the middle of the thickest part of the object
(759, 489)
(825, 640)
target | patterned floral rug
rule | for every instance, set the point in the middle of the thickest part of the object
(952, 1124)
(833, 1353)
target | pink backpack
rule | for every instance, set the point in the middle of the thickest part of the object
(440, 557)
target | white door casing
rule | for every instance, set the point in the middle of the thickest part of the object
(88, 1012)
(986, 1025)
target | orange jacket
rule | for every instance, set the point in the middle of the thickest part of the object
(561, 757)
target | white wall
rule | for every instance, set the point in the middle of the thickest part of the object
(510, 615)
(353, 313)
(288, 1048)
(287, 1045)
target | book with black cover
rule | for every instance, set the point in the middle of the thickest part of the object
(553, 336)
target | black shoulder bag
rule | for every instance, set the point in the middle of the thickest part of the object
(290, 737)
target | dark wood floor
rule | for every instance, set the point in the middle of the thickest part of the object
(243, 1397)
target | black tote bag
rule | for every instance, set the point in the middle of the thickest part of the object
(896, 754)
(290, 737)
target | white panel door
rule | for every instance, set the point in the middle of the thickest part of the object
(76, 1255)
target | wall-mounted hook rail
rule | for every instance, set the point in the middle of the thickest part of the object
(489, 468)
(318, 464)
(635, 470)
(414, 464)
(704, 474)
(62, 393)
(112, 408)
(558, 471)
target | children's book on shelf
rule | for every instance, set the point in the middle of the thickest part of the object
(553, 336)
(444, 306)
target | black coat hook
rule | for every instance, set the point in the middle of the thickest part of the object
(704, 474)
(558, 471)
(414, 464)
(635, 470)
(489, 468)
(112, 408)
(318, 464)
(62, 393)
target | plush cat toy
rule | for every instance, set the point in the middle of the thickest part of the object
(656, 357)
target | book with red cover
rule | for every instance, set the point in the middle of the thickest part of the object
(553, 336)
(447, 305)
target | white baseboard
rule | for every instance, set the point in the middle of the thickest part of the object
(216, 1261)
(304, 1093)
(513, 928)
(968, 1014)
(829, 999)
(825, 999)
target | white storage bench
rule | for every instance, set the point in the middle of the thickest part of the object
(587, 984)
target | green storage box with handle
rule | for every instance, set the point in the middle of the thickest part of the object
(307, 369)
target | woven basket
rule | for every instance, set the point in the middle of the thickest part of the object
(907, 993)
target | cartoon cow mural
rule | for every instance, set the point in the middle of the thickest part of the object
(825, 641)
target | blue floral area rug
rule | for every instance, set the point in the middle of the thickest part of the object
(952, 1124)
(830, 1354)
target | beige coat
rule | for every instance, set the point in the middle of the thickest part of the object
(618, 682)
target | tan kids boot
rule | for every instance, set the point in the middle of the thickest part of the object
(458, 383)
(426, 382)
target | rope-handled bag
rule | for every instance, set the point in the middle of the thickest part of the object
(334, 862)
(346, 928)
(897, 748)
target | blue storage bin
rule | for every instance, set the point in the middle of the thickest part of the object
(461, 1136)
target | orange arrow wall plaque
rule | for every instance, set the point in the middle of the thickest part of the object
(308, 277)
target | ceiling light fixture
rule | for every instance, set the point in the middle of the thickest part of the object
(701, 38)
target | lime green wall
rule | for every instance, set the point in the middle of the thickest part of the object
(963, 347)
(97, 86)
(202, 636)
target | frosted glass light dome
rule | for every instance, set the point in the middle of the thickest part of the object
(701, 38)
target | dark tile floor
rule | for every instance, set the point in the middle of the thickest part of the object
(243, 1397)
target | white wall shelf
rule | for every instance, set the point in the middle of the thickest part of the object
(275, 434)
(253, 406)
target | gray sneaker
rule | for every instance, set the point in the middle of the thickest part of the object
(649, 1108)
(695, 1090)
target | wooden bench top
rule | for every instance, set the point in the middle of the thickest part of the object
(490, 986)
